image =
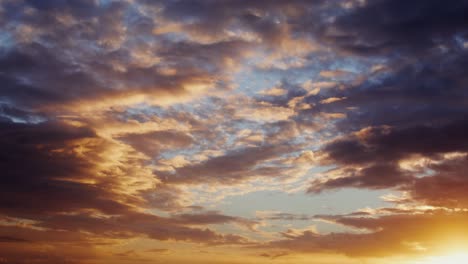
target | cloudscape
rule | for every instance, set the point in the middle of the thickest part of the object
(234, 131)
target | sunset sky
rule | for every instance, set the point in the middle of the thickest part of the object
(234, 131)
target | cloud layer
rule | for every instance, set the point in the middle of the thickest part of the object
(135, 128)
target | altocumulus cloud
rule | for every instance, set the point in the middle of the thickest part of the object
(123, 121)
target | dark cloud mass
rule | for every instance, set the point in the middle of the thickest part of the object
(41, 169)
(234, 166)
(387, 26)
(130, 129)
(406, 234)
(151, 143)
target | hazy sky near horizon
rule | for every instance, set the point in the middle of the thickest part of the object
(233, 131)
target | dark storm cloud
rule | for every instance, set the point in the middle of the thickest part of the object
(234, 166)
(41, 171)
(379, 176)
(445, 187)
(70, 237)
(261, 17)
(429, 91)
(381, 144)
(133, 224)
(165, 197)
(154, 142)
(376, 27)
(44, 180)
(59, 5)
(212, 217)
(411, 110)
(34, 75)
(376, 152)
(391, 26)
(57, 58)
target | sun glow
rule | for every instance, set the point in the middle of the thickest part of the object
(460, 258)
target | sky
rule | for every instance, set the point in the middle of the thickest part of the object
(234, 131)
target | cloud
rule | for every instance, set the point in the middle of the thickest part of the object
(159, 250)
(133, 224)
(420, 118)
(99, 66)
(273, 215)
(386, 26)
(232, 167)
(445, 186)
(373, 177)
(370, 158)
(153, 142)
(259, 18)
(333, 73)
(133, 120)
(386, 235)
(275, 255)
(60, 179)
(332, 100)
(265, 112)
(43, 163)
(212, 217)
